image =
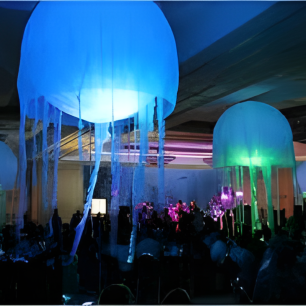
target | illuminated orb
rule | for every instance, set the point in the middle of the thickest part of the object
(253, 134)
(101, 53)
(301, 176)
(8, 167)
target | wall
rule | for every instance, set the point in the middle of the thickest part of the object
(180, 184)
(70, 193)
(104, 182)
(188, 185)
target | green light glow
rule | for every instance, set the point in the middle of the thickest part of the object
(258, 136)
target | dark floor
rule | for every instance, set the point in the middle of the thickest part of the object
(81, 298)
(216, 299)
(205, 296)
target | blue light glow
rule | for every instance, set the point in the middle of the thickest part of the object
(118, 55)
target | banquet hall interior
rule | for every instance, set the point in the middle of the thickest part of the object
(152, 152)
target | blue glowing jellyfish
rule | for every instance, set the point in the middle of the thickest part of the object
(100, 62)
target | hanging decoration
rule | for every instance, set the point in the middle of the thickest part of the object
(257, 136)
(239, 206)
(100, 62)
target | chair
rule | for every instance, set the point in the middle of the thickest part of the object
(116, 294)
(176, 296)
(148, 274)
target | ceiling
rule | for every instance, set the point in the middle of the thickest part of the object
(262, 60)
(229, 52)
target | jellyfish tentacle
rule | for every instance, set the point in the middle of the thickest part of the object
(267, 172)
(161, 168)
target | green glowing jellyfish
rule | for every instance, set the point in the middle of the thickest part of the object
(258, 136)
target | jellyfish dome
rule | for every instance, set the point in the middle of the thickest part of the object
(301, 177)
(253, 134)
(8, 167)
(98, 60)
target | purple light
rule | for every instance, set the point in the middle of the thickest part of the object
(227, 198)
(224, 196)
(239, 194)
(216, 209)
(173, 212)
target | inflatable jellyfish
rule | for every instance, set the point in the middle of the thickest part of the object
(102, 60)
(254, 135)
(300, 174)
(99, 62)
(8, 167)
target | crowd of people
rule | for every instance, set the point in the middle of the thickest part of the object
(180, 225)
(36, 239)
(42, 237)
(188, 222)
(55, 240)
(51, 245)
